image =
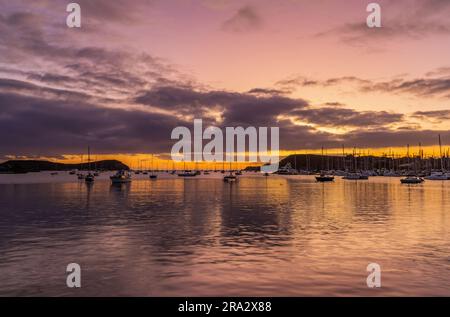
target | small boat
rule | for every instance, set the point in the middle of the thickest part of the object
(187, 174)
(411, 177)
(266, 174)
(54, 173)
(239, 173)
(287, 170)
(96, 173)
(80, 176)
(72, 172)
(412, 180)
(442, 175)
(153, 175)
(325, 178)
(230, 178)
(121, 177)
(205, 173)
(89, 178)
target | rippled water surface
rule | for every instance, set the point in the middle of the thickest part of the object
(275, 236)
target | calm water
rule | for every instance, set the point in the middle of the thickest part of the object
(186, 237)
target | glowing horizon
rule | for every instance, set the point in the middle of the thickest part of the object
(126, 78)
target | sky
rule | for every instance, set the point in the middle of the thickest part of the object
(137, 69)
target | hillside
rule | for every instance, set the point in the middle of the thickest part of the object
(25, 166)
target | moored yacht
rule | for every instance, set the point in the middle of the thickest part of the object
(287, 170)
(153, 175)
(324, 178)
(121, 177)
(187, 173)
(89, 178)
(412, 180)
(230, 178)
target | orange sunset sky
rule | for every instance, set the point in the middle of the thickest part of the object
(137, 69)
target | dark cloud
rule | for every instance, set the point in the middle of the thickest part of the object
(435, 116)
(334, 104)
(97, 72)
(395, 138)
(236, 108)
(246, 19)
(419, 87)
(117, 10)
(267, 91)
(37, 126)
(93, 11)
(341, 117)
(439, 72)
(36, 122)
(428, 86)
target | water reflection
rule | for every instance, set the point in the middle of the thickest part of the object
(259, 236)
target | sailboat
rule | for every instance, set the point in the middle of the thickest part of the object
(323, 177)
(80, 174)
(287, 170)
(187, 173)
(153, 175)
(355, 175)
(89, 177)
(442, 175)
(121, 177)
(96, 171)
(223, 167)
(411, 179)
(206, 172)
(173, 172)
(230, 178)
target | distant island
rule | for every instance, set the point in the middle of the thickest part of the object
(26, 166)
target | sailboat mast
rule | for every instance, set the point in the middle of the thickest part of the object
(409, 162)
(440, 153)
(321, 160)
(89, 159)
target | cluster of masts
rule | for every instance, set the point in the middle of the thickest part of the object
(125, 176)
(415, 169)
